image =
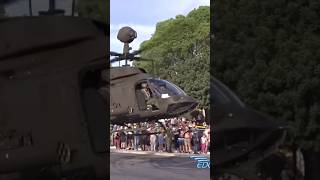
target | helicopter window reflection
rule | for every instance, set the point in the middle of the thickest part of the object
(165, 89)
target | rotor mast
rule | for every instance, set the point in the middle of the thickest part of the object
(52, 5)
(126, 35)
(51, 10)
(126, 51)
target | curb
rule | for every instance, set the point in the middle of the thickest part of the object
(165, 154)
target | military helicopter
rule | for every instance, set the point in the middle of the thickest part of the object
(52, 116)
(139, 97)
(247, 144)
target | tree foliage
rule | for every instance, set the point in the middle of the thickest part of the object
(180, 50)
(94, 9)
(269, 53)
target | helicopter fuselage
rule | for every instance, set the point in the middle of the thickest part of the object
(45, 104)
(247, 143)
(128, 105)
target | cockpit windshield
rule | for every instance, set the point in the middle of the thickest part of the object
(165, 89)
(223, 95)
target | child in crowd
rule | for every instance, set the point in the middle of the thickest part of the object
(117, 140)
(203, 144)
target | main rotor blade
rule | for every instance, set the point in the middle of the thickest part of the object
(141, 59)
(115, 59)
(136, 52)
(129, 57)
(112, 53)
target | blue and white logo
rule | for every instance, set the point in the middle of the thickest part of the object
(202, 162)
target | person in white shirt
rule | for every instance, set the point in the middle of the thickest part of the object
(203, 144)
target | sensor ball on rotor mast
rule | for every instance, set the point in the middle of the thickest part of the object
(126, 34)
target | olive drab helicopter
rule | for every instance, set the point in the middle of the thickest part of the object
(136, 96)
(247, 144)
(53, 119)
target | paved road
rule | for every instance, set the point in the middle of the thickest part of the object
(151, 167)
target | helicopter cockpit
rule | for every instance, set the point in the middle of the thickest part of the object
(223, 96)
(164, 89)
(224, 101)
(151, 91)
(158, 88)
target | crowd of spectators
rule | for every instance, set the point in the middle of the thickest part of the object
(170, 135)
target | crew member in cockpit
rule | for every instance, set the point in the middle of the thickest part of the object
(148, 96)
(145, 90)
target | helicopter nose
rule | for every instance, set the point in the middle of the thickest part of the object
(181, 104)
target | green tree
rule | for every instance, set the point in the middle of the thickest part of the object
(268, 52)
(95, 9)
(180, 50)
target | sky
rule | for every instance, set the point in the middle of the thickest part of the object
(143, 15)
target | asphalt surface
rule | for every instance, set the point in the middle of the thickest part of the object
(151, 167)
